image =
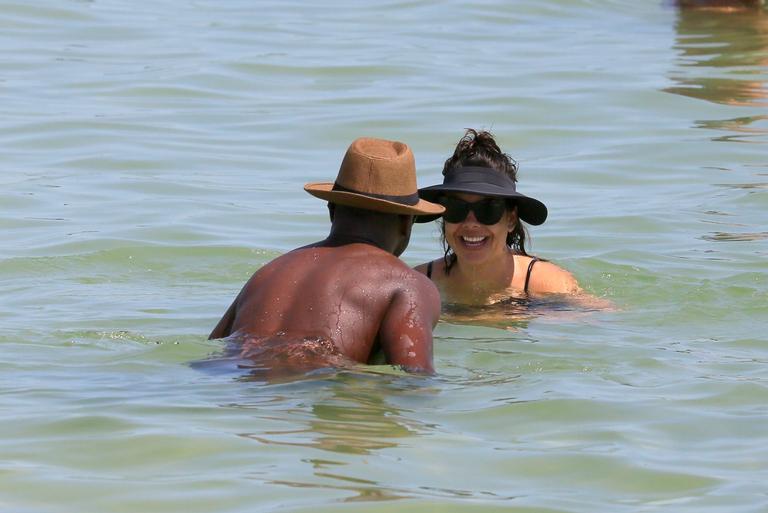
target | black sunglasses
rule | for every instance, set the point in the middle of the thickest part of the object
(488, 211)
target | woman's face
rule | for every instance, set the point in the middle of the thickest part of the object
(473, 241)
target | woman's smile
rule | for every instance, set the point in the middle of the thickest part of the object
(482, 228)
(473, 242)
(474, 248)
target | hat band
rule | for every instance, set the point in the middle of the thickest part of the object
(408, 199)
(477, 174)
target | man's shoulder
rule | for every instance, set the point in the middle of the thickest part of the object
(362, 261)
(415, 283)
(351, 254)
(357, 260)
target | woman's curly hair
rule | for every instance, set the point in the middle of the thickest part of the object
(480, 149)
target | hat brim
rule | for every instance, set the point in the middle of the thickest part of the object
(530, 210)
(424, 208)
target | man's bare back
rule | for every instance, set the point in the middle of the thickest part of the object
(359, 297)
(349, 297)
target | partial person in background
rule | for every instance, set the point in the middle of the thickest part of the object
(485, 260)
(722, 49)
(721, 5)
(347, 298)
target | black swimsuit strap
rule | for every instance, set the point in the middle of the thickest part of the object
(528, 274)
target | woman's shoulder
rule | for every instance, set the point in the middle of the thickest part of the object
(432, 269)
(422, 268)
(546, 277)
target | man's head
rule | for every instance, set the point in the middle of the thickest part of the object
(375, 198)
(377, 175)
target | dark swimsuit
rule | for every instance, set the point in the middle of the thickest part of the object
(527, 274)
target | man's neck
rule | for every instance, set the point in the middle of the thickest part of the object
(342, 239)
(347, 229)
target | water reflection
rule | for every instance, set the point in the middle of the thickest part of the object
(355, 418)
(510, 314)
(735, 237)
(747, 128)
(364, 490)
(348, 416)
(515, 313)
(722, 56)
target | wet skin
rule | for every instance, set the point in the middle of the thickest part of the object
(486, 269)
(327, 303)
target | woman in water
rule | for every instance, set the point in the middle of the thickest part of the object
(483, 237)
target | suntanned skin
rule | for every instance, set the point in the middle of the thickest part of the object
(350, 290)
(474, 286)
(489, 270)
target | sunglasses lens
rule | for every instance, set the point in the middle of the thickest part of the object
(455, 210)
(488, 211)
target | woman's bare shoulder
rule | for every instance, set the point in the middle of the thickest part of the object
(550, 278)
(422, 268)
(437, 267)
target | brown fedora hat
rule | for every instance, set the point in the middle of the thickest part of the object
(379, 175)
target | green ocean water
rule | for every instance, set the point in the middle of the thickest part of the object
(153, 156)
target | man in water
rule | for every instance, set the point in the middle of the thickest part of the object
(349, 297)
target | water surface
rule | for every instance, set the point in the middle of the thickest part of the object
(153, 157)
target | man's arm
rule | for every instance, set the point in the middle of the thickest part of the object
(406, 331)
(224, 327)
